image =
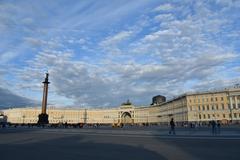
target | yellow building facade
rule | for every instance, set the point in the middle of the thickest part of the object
(200, 107)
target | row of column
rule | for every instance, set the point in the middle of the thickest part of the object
(231, 101)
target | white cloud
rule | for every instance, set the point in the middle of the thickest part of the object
(113, 83)
(111, 44)
(27, 21)
(164, 17)
(34, 41)
(216, 84)
(155, 53)
(237, 69)
(161, 34)
(164, 7)
(7, 56)
(117, 38)
(228, 3)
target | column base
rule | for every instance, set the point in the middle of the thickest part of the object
(43, 118)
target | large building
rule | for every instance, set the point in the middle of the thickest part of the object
(203, 107)
(199, 107)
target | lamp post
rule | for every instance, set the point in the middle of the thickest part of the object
(62, 116)
(23, 117)
(78, 121)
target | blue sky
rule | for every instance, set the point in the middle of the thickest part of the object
(101, 53)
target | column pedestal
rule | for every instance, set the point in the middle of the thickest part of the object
(43, 119)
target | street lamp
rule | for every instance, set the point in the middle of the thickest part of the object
(62, 116)
(23, 117)
(78, 121)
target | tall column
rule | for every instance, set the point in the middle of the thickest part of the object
(45, 94)
(43, 117)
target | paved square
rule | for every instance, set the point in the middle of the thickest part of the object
(108, 143)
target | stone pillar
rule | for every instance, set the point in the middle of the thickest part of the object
(236, 104)
(44, 100)
(231, 104)
(43, 117)
(231, 108)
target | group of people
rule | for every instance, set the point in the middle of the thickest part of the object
(216, 127)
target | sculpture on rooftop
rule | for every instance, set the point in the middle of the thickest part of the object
(127, 103)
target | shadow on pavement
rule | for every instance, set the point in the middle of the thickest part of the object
(17, 130)
(73, 147)
(200, 148)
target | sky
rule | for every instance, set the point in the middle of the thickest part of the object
(101, 53)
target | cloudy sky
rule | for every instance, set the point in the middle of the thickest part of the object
(101, 53)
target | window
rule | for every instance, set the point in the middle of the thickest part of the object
(207, 107)
(199, 108)
(234, 106)
(200, 116)
(203, 107)
(213, 115)
(208, 116)
(216, 106)
(212, 107)
(235, 115)
(222, 106)
(190, 101)
(222, 98)
(204, 116)
(211, 99)
(223, 115)
(216, 99)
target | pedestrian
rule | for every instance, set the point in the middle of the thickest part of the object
(172, 127)
(213, 123)
(218, 127)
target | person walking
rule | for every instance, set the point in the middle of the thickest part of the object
(218, 127)
(213, 123)
(172, 127)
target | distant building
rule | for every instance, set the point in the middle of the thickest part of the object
(199, 107)
(3, 119)
(158, 100)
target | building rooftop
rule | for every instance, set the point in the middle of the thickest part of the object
(235, 88)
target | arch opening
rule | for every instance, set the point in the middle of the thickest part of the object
(126, 118)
